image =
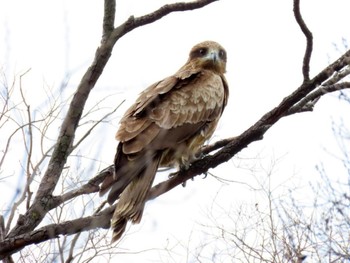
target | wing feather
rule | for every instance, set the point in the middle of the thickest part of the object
(187, 98)
(139, 142)
(202, 99)
(132, 127)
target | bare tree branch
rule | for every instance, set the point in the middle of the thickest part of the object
(206, 149)
(308, 103)
(101, 220)
(108, 19)
(5, 98)
(135, 22)
(337, 76)
(94, 126)
(7, 259)
(29, 148)
(309, 39)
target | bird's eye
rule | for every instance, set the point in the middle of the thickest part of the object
(199, 52)
(202, 51)
(222, 54)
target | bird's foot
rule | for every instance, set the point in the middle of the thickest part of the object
(199, 155)
(182, 167)
(171, 175)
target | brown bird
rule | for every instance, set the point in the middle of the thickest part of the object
(166, 127)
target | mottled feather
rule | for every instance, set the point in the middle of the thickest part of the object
(166, 126)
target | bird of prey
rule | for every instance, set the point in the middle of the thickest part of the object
(166, 127)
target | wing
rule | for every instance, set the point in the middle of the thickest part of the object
(172, 110)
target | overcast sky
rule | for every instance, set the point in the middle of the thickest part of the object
(265, 49)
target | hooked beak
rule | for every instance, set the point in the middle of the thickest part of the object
(213, 56)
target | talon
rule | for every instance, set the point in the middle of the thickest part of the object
(171, 175)
(199, 155)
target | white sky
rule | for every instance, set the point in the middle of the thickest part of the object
(265, 49)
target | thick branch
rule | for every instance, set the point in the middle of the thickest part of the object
(101, 220)
(206, 149)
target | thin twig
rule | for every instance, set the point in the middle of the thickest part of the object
(308, 103)
(29, 148)
(92, 186)
(95, 125)
(135, 22)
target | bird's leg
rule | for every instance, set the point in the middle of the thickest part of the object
(199, 155)
(182, 166)
(186, 162)
(171, 175)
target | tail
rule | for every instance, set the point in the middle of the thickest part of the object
(133, 177)
(133, 198)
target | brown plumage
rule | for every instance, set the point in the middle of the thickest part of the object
(166, 126)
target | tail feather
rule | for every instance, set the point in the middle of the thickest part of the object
(126, 169)
(118, 229)
(133, 198)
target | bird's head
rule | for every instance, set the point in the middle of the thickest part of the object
(208, 55)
